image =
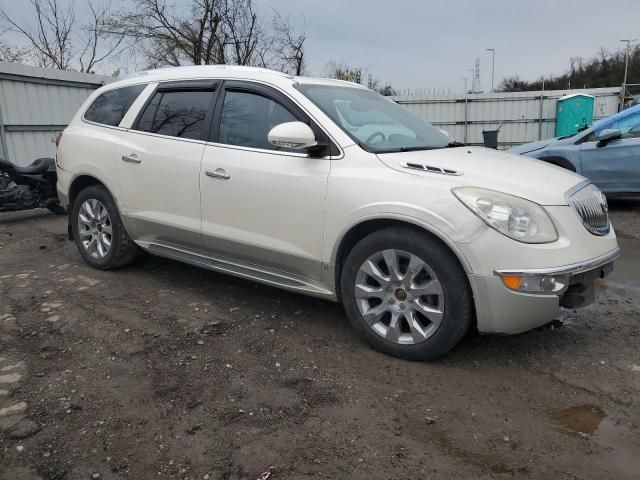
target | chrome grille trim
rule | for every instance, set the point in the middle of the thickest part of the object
(430, 168)
(590, 205)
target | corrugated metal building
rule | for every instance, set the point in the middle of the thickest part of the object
(524, 116)
(35, 103)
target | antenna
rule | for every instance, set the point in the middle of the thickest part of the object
(475, 86)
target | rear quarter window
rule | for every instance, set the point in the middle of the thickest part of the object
(111, 106)
(179, 114)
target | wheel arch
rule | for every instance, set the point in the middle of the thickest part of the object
(367, 226)
(78, 184)
(83, 181)
(559, 162)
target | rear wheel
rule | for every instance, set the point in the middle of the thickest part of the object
(98, 230)
(406, 294)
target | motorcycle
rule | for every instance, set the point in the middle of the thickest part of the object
(33, 186)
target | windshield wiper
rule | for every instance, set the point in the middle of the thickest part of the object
(413, 149)
(448, 145)
(423, 147)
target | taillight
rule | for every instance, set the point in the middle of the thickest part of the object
(58, 138)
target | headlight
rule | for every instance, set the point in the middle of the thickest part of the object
(512, 216)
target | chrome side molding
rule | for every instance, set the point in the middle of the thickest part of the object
(243, 271)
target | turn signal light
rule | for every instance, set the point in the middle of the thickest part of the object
(512, 281)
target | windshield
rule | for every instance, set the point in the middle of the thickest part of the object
(376, 123)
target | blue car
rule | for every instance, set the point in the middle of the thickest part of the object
(608, 153)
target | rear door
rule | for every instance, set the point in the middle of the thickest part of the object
(262, 205)
(615, 166)
(159, 164)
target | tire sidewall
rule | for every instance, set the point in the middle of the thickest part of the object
(458, 309)
(102, 195)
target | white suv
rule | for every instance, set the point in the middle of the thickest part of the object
(328, 189)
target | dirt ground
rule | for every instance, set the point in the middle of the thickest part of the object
(162, 370)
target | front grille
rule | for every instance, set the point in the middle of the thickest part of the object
(591, 206)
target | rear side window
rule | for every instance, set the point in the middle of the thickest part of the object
(179, 114)
(247, 118)
(111, 107)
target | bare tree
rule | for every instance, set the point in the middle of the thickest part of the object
(55, 31)
(241, 32)
(169, 36)
(289, 46)
(512, 84)
(210, 32)
(13, 53)
(50, 37)
(98, 44)
(342, 71)
(387, 90)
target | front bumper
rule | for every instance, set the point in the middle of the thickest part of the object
(502, 310)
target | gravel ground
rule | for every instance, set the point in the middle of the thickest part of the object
(162, 370)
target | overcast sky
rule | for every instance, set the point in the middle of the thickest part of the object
(433, 43)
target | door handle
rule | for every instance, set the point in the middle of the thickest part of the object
(133, 158)
(218, 173)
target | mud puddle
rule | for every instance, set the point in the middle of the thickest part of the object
(614, 438)
(584, 419)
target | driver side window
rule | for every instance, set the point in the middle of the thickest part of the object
(628, 125)
(247, 118)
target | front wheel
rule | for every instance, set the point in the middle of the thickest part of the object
(98, 230)
(406, 294)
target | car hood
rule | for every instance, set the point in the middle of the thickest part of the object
(532, 146)
(524, 177)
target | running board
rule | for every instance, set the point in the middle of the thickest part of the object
(225, 266)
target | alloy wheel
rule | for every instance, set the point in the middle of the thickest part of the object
(399, 296)
(94, 228)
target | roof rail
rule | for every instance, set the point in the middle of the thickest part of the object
(191, 68)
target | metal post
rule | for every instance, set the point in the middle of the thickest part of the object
(4, 151)
(626, 66)
(493, 64)
(465, 109)
(540, 117)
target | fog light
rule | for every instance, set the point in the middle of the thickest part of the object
(535, 283)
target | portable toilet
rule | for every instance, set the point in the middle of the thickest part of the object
(574, 113)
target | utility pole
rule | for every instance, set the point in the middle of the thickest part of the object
(626, 66)
(466, 108)
(493, 64)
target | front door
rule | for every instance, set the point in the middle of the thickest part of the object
(159, 166)
(261, 205)
(615, 166)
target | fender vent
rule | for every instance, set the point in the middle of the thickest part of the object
(430, 168)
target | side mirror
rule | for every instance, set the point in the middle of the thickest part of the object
(295, 135)
(608, 134)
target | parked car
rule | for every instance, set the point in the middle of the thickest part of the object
(283, 180)
(608, 153)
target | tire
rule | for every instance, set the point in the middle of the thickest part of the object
(431, 307)
(121, 249)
